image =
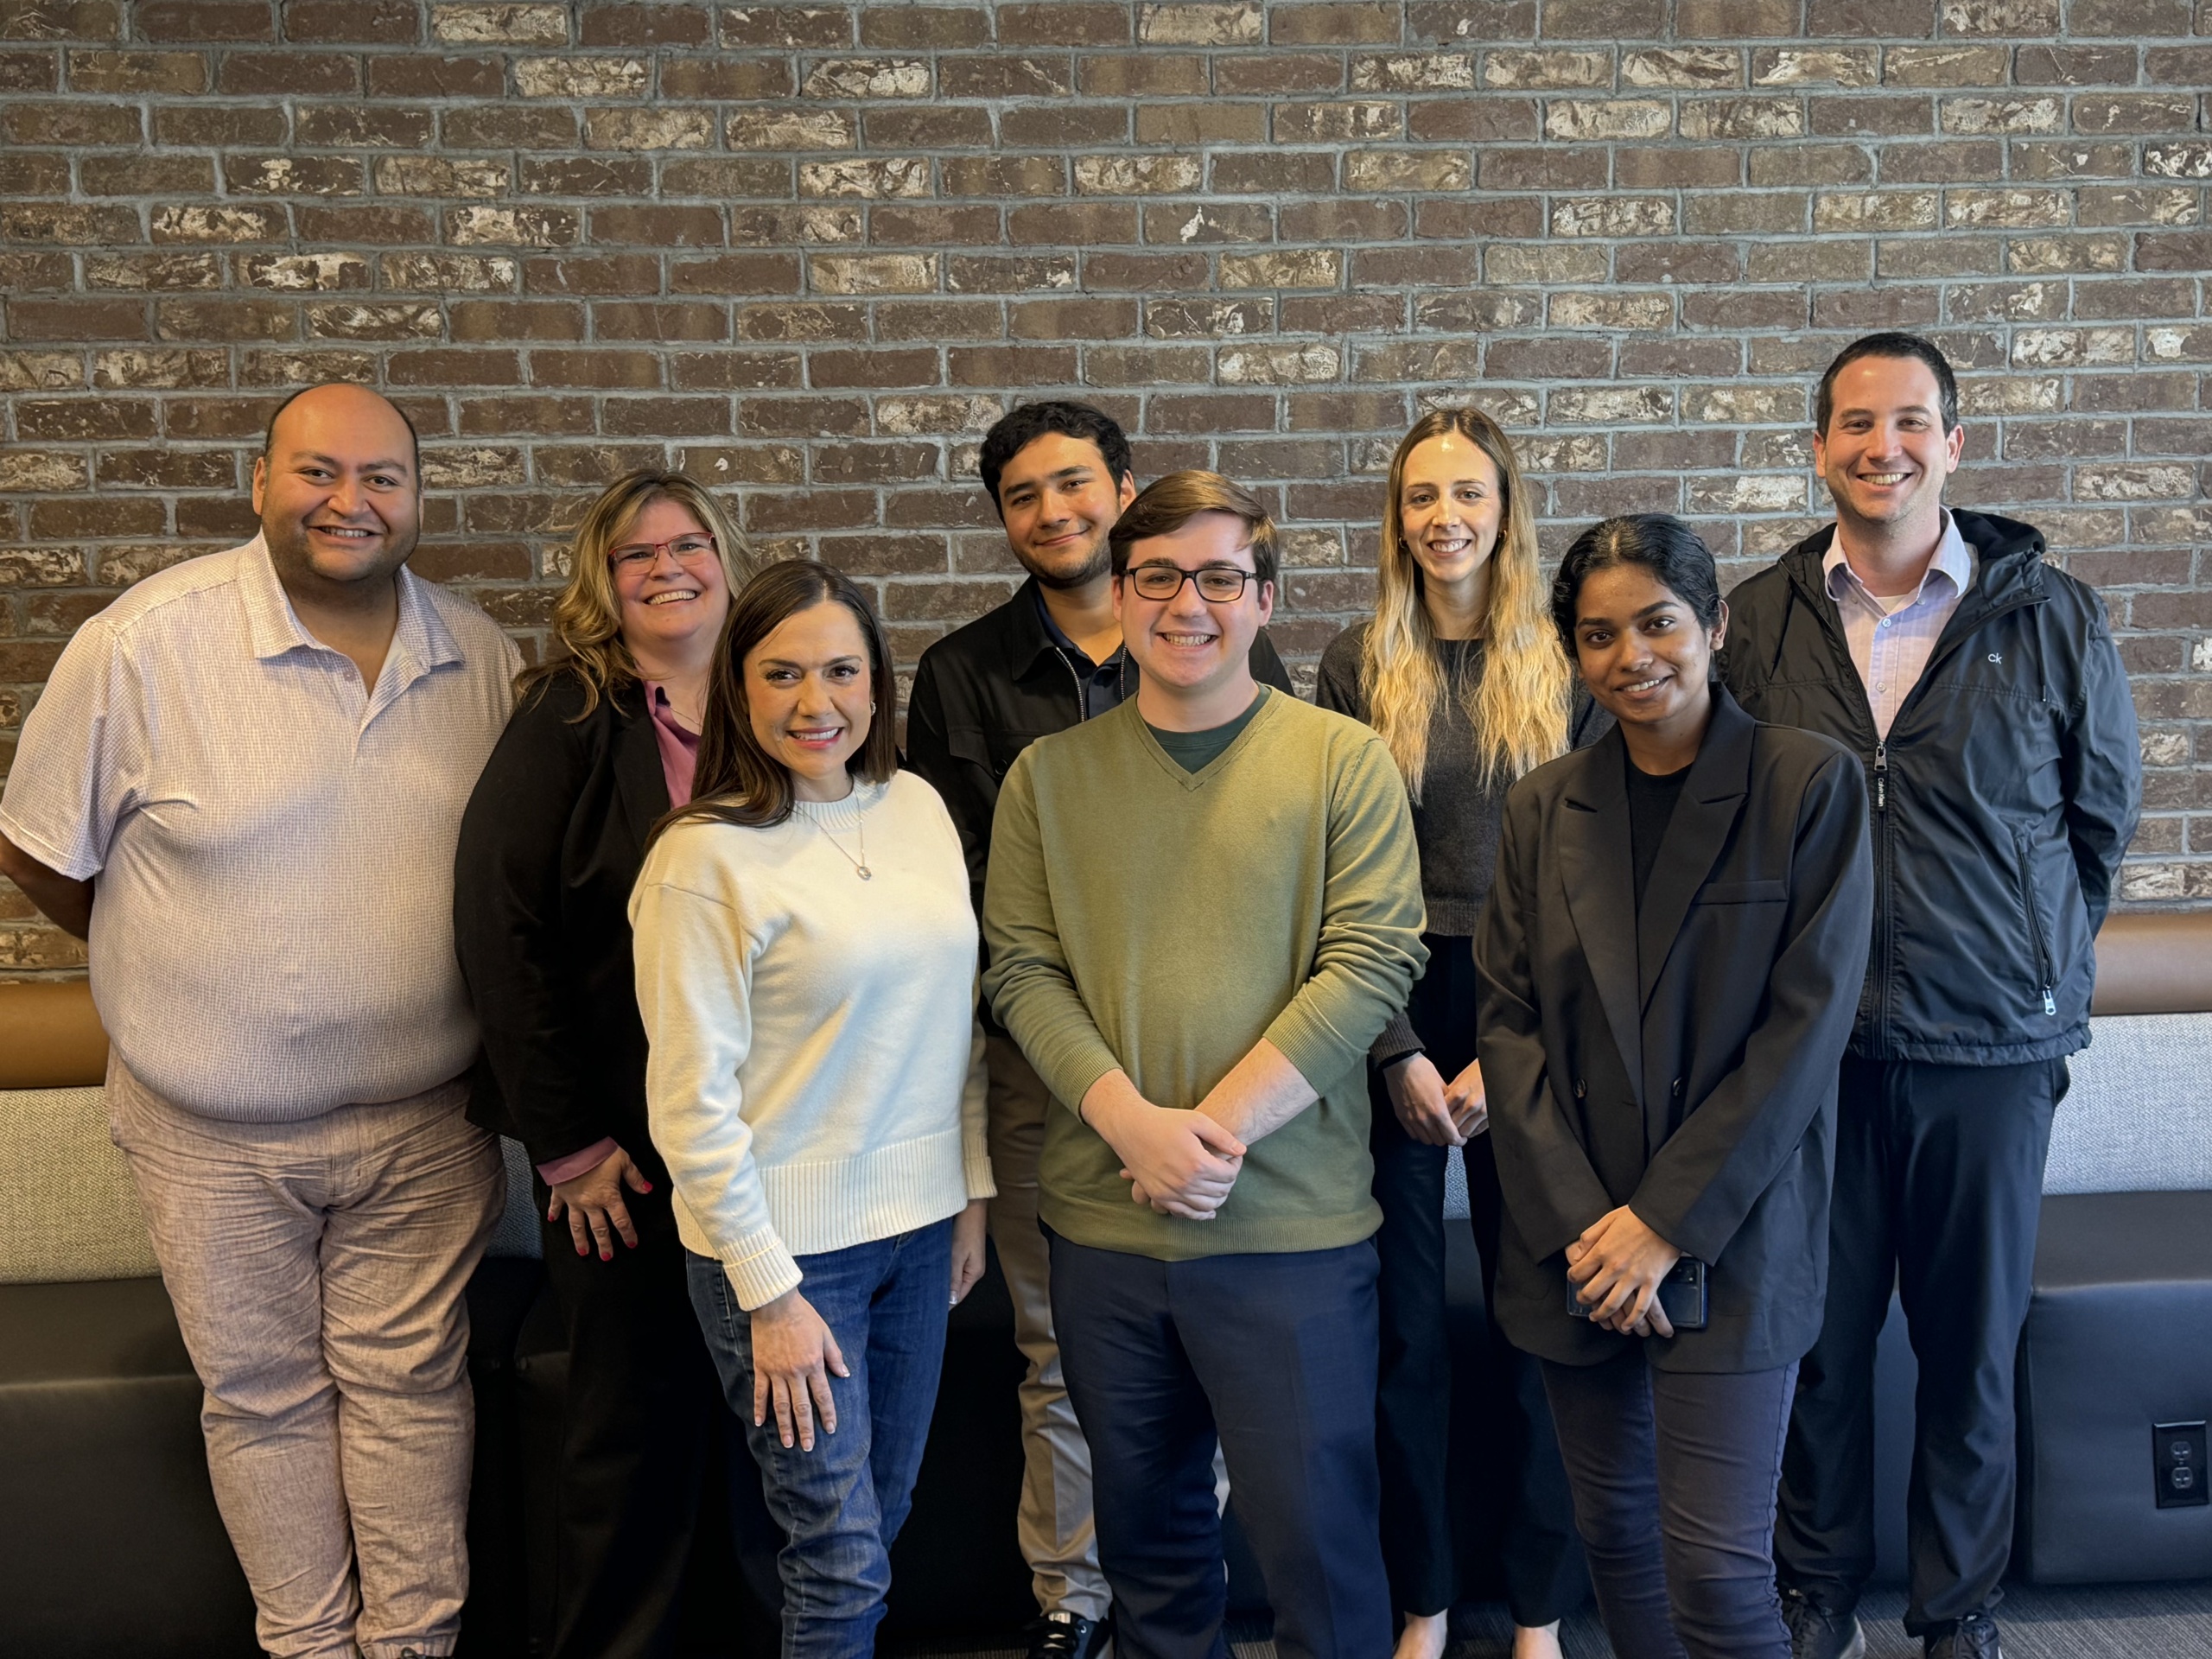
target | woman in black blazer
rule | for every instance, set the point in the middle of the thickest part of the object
(1669, 963)
(600, 745)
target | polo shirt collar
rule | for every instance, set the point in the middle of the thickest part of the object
(1953, 562)
(270, 619)
(421, 642)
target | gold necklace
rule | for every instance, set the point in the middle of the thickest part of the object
(860, 864)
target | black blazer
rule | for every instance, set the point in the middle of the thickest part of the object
(1682, 1062)
(550, 846)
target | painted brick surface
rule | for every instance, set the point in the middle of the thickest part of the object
(809, 251)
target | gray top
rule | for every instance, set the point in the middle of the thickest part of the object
(1455, 821)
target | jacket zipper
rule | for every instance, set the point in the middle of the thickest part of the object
(1877, 1004)
(2035, 931)
(1082, 702)
(1884, 826)
(1947, 646)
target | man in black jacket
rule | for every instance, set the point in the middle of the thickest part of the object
(1980, 687)
(1057, 474)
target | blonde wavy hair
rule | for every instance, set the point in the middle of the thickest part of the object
(1519, 702)
(588, 616)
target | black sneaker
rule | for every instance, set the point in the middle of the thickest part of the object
(1974, 1636)
(1066, 1635)
(1816, 1633)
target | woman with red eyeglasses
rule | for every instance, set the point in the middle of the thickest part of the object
(602, 743)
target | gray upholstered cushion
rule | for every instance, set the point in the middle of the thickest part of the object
(1455, 1187)
(2138, 1117)
(68, 1211)
(517, 1233)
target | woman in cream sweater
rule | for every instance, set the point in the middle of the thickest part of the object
(806, 958)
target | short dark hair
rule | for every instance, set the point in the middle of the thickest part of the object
(414, 438)
(1019, 428)
(1893, 344)
(1165, 505)
(1674, 554)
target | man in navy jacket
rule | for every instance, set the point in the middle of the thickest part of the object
(1980, 687)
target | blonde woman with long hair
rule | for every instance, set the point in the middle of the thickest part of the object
(1461, 672)
(603, 742)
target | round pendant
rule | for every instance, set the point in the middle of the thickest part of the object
(866, 874)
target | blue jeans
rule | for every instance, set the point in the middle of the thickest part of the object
(840, 1504)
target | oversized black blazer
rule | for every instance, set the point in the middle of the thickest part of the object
(1681, 1062)
(550, 846)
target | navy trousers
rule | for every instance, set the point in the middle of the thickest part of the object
(1938, 1191)
(1272, 1355)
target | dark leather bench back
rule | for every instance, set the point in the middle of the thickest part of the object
(2155, 962)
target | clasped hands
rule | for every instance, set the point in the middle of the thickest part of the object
(1616, 1267)
(1432, 1111)
(1180, 1163)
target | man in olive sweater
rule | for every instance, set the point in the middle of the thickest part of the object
(1201, 909)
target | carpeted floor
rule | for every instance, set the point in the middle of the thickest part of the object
(2131, 1621)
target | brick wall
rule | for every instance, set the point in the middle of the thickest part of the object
(809, 251)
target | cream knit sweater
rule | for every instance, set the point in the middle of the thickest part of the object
(816, 1079)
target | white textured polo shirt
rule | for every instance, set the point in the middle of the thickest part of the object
(273, 931)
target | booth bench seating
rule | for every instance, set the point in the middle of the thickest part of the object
(110, 1542)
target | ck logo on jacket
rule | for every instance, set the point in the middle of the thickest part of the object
(2004, 793)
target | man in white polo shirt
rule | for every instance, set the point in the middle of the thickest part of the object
(243, 785)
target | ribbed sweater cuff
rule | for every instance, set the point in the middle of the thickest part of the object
(760, 1269)
(976, 1168)
(1320, 1055)
(1398, 1039)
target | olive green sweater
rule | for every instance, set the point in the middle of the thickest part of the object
(1164, 922)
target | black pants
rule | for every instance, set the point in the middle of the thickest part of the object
(1938, 1188)
(1674, 1478)
(1272, 1356)
(637, 1436)
(1539, 1553)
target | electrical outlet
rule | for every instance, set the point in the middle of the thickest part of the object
(2178, 1461)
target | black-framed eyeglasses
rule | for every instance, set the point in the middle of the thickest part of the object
(1220, 584)
(688, 549)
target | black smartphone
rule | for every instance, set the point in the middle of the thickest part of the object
(1681, 1296)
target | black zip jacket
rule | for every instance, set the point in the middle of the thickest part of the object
(986, 692)
(2001, 801)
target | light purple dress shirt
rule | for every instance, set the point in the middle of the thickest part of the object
(1891, 639)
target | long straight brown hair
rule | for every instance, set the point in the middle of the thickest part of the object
(738, 781)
